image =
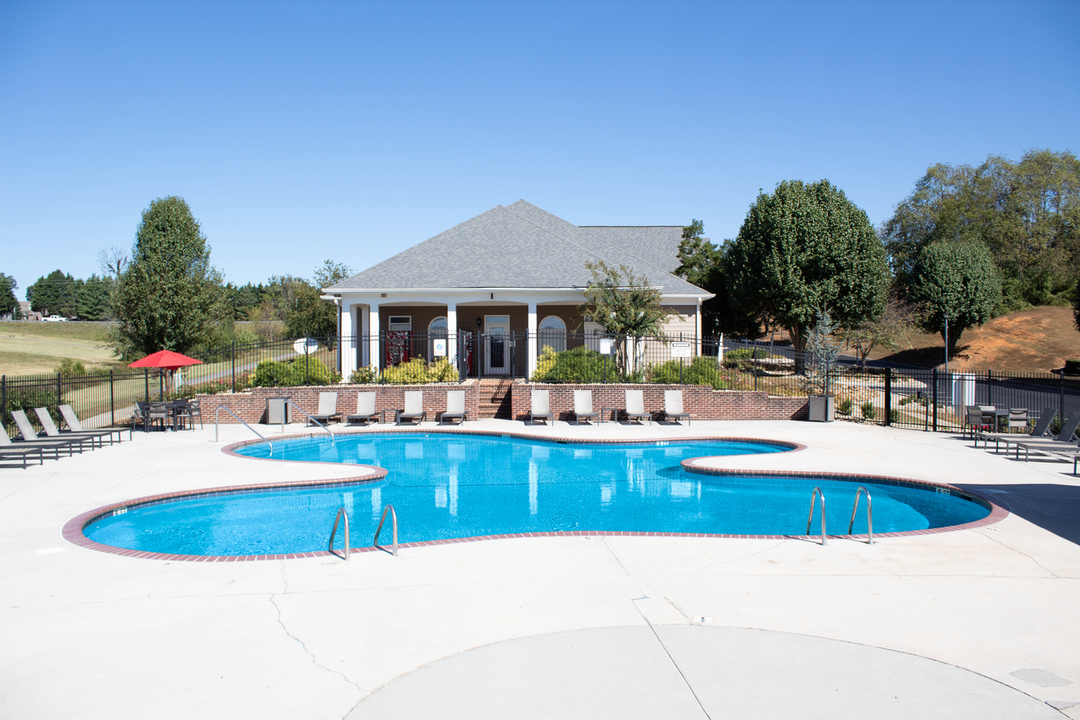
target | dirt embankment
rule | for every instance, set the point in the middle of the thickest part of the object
(1034, 340)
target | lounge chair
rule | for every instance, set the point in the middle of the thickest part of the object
(673, 407)
(1063, 443)
(365, 409)
(414, 408)
(583, 406)
(7, 450)
(73, 424)
(635, 406)
(327, 408)
(51, 430)
(1038, 431)
(540, 408)
(30, 438)
(455, 407)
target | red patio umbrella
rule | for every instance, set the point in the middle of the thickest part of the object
(165, 359)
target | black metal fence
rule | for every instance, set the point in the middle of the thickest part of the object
(912, 398)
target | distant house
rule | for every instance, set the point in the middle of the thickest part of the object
(489, 293)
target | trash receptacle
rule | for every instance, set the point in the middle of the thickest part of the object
(277, 410)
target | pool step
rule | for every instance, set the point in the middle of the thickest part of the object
(495, 398)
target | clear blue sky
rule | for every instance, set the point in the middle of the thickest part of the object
(300, 131)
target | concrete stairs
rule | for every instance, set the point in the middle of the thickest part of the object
(494, 398)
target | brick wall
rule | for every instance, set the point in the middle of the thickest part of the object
(251, 405)
(701, 401)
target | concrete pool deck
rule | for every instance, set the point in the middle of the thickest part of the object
(974, 623)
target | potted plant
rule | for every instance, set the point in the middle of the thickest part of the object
(822, 354)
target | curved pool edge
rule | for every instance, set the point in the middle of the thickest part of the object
(73, 528)
(997, 512)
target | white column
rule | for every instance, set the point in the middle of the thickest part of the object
(373, 334)
(532, 337)
(451, 333)
(348, 340)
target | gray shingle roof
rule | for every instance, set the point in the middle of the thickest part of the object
(520, 246)
(659, 244)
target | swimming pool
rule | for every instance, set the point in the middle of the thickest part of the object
(446, 486)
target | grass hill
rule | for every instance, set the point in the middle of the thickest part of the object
(38, 347)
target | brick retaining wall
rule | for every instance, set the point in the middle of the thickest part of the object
(701, 401)
(251, 405)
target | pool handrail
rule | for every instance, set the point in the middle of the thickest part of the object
(393, 518)
(869, 514)
(341, 514)
(333, 440)
(816, 494)
(217, 415)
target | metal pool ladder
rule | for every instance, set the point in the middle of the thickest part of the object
(393, 519)
(333, 440)
(341, 515)
(816, 494)
(217, 416)
(869, 514)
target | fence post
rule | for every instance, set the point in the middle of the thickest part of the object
(59, 397)
(1061, 397)
(3, 399)
(934, 398)
(112, 399)
(989, 389)
(146, 381)
(888, 396)
(232, 356)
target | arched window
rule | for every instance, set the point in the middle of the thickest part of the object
(437, 328)
(552, 333)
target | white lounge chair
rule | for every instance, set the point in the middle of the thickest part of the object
(7, 450)
(365, 409)
(414, 408)
(455, 407)
(673, 407)
(30, 438)
(327, 408)
(73, 424)
(50, 429)
(635, 407)
(583, 406)
(540, 408)
(1039, 431)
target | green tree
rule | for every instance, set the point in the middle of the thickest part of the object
(169, 297)
(957, 280)
(803, 250)
(702, 264)
(305, 313)
(8, 302)
(1027, 214)
(623, 304)
(93, 299)
(54, 294)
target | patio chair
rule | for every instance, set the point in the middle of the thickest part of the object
(156, 412)
(1063, 443)
(1018, 419)
(1045, 418)
(975, 420)
(414, 408)
(327, 408)
(73, 424)
(673, 407)
(365, 409)
(189, 410)
(30, 437)
(7, 450)
(635, 407)
(455, 407)
(50, 429)
(583, 407)
(180, 410)
(540, 409)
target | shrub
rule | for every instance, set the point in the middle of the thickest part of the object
(894, 416)
(364, 375)
(71, 367)
(419, 372)
(579, 365)
(845, 406)
(301, 371)
(735, 358)
(868, 410)
(701, 371)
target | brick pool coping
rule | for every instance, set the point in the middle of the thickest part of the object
(73, 529)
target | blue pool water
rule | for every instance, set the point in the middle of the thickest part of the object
(458, 485)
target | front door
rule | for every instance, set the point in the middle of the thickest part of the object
(496, 344)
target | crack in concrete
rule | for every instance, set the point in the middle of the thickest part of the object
(303, 646)
(777, 544)
(30, 484)
(1021, 552)
(681, 673)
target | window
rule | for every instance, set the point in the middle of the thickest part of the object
(437, 330)
(552, 333)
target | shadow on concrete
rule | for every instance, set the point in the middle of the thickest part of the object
(1051, 506)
